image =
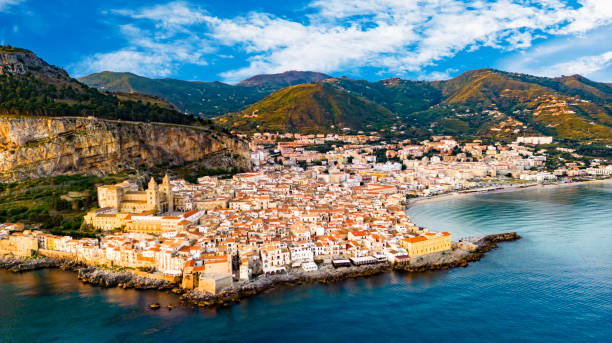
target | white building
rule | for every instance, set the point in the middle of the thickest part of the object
(309, 267)
(535, 140)
(301, 254)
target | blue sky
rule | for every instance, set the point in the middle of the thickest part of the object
(370, 39)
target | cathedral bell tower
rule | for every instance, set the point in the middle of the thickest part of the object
(153, 196)
(166, 188)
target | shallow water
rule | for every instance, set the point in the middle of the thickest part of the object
(553, 285)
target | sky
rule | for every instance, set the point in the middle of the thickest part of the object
(368, 39)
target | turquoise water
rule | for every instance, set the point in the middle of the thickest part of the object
(553, 285)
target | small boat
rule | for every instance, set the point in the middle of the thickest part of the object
(155, 306)
(169, 307)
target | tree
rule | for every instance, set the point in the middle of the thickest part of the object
(236, 262)
(77, 205)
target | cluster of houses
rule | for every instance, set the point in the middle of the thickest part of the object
(268, 221)
(345, 207)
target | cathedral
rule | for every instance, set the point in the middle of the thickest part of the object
(125, 197)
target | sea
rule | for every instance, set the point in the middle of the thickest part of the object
(553, 285)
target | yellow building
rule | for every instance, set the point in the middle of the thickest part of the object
(155, 224)
(426, 244)
(214, 283)
(106, 219)
(214, 203)
(20, 244)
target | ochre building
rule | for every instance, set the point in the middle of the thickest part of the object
(426, 244)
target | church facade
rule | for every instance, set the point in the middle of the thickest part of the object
(125, 197)
(118, 202)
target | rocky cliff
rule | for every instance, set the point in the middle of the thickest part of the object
(20, 61)
(48, 146)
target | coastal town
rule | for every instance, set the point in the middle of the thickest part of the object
(314, 170)
(311, 202)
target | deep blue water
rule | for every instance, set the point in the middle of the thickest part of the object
(554, 285)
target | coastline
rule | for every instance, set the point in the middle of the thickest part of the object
(460, 255)
(513, 188)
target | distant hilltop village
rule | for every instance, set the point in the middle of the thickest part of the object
(313, 201)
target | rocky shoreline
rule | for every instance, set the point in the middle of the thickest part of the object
(19, 264)
(88, 274)
(460, 255)
(123, 279)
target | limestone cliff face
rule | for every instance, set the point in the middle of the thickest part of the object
(44, 146)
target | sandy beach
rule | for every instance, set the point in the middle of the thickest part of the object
(512, 188)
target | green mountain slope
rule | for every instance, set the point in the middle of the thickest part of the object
(399, 96)
(30, 86)
(310, 108)
(482, 102)
(504, 105)
(204, 99)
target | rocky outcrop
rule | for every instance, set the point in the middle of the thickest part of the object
(460, 255)
(265, 283)
(49, 146)
(21, 264)
(20, 61)
(124, 279)
(16, 264)
(89, 274)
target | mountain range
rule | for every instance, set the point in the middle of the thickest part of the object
(30, 86)
(206, 99)
(483, 102)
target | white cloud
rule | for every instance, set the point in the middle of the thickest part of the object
(591, 14)
(5, 4)
(438, 75)
(150, 53)
(398, 36)
(566, 55)
(127, 61)
(585, 65)
(173, 16)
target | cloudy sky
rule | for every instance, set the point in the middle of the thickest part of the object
(370, 39)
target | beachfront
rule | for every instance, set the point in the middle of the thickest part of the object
(510, 188)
